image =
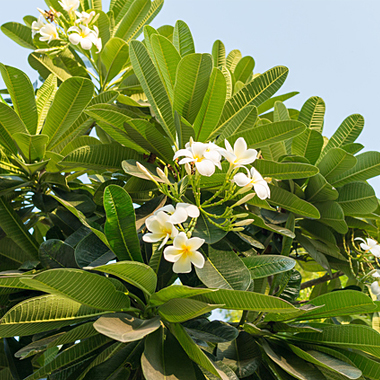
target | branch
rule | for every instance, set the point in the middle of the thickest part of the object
(321, 280)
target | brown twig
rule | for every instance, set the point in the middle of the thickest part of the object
(320, 280)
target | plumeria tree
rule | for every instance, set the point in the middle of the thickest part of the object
(204, 195)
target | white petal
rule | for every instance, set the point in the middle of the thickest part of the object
(182, 152)
(375, 251)
(172, 254)
(205, 167)
(375, 288)
(255, 175)
(74, 29)
(229, 156)
(247, 157)
(376, 274)
(180, 240)
(162, 217)
(262, 189)
(213, 156)
(179, 216)
(240, 146)
(241, 179)
(194, 243)
(186, 160)
(152, 238)
(198, 149)
(86, 43)
(75, 38)
(361, 239)
(228, 146)
(192, 210)
(197, 259)
(168, 208)
(164, 241)
(371, 242)
(364, 247)
(183, 265)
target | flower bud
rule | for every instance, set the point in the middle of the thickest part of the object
(245, 199)
(244, 222)
(143, 169)
(162, 175)
(238, 229)
(243, 190)
(188, 168)
(241, 216)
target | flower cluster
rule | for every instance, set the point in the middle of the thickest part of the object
(78, 30)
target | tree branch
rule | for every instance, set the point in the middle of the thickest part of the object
(321, 280)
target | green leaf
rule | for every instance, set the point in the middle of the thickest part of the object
(208, 231)
(268, 104)
(244, 68)
(182, 39)
(55, 253)
(332, 215)
(100, 157)
(292, 203)
(367, 166)
(268, 265)
(192, 80)
(15, 229)
(347, 132)
(312, 113)
(44, 313)
(319, 190)
(19, 33)
(353, 148)
(86, 288)
(9, 249)
(342, 302)
(357, 198)
(120, 226)
(357, 337)
(270, 133)
(114, 55)
(369, 367)
(233, 58)
(335, 162)
(212, 106)
(10, 123)
(167, 58)
(135, 273)
(164, 358)
(194, 352)
(153, 86)
(45, 96)
(308, 144)
(218, 54)
(224, 270)
(70, 100)
(254, 93)
(125, 328)
(288, 170)
(22, 94)
(46, 66)
(182, 309)
(32, 147)
(78, 143)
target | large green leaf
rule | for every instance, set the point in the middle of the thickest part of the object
(268, 265)
(308, 144)
(225, 270)
(207, 230)
(45, 96)
(233, 58)
(182, 39)
(335, 162)
(46, 66)
(22, 94)
(191, 84)
(70, 100)
(120, 226)
(115, 56)
(319, 190)
(288, 170)
(100, 157)
(19, 33)
(10, 250)
(152, 85)
(369, 367)
(347, 132)
(44, 313)
(218, 53)
(167, 58)
(367, 166)
(244, 69)
(137, 274)
(343, 302)
(164, 358)
(291, 202)
(332, 215)
(357, 198)
(212, 106)
(86, 288)
(312, 113)
(125, 328)
(10, 123)
(254, 93)
(15, 229)
(270, 133)
(32, 147)
(268, 104)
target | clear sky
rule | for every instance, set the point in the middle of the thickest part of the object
(330, 46)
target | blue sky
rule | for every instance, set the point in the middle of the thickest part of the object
(330, 46)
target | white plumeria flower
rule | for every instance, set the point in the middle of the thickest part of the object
(160, 228)
(370, 245)
(83, 36)
(375, 288)
(69, 5)
(183, 252)
(37, 25)
(84, 17)
(254, 179)
(97, 40)
(49, 33)
(239, 155)
(205, 159)
(181, 212)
